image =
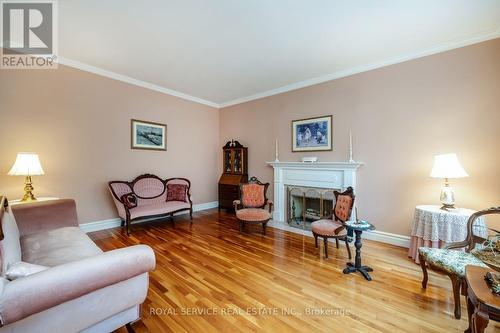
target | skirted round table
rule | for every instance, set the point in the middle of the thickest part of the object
(434, 227)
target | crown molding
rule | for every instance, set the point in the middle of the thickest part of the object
(364, 68)
(112, 75)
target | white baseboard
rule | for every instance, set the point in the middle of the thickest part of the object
(116, 222)
(379, 236)
(387, 237)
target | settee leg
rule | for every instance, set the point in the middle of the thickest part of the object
(191, 214)
(264, 225)
(241, 226)
(128, 228)
(122, 224)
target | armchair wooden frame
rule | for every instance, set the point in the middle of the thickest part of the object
(350, 192)
(458, 283)
(238, 205)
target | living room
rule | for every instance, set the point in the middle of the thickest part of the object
(250, 166)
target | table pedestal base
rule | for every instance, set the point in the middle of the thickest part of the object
(351, 268)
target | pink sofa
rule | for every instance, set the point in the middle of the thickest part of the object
(150, 193)
(77, 287)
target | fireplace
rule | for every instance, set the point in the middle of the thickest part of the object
(308, 204)
(303, 192)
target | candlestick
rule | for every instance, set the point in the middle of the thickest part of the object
(276, 152)
(351, 160)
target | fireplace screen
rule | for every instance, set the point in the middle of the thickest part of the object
(306, 205)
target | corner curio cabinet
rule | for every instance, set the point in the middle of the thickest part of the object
(235, 171)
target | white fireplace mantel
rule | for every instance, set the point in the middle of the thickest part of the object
(330, 175)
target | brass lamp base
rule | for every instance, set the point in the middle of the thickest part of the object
(448, 207)
(28, 190)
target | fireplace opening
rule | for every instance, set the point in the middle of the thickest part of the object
(308, 204)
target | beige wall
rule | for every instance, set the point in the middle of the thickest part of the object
(79, 124)
(400, 116)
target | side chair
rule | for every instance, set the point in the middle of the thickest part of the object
(332, 228)
(452, 262)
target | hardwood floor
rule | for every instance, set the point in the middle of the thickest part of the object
(211, 278)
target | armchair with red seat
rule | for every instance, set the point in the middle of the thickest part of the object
(253, 200)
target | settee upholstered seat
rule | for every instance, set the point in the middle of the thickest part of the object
(58, 246)
(450, 261)
(158, 208)
(253, 214)
(152, 197)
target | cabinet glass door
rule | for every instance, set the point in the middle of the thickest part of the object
(227, 161)
(237, 161)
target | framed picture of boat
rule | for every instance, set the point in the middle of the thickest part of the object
(312, 134)
(148, 135)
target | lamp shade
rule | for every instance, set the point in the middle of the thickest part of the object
(27, 164)
(447, 166)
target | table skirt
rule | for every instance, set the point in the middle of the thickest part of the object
(416, 242)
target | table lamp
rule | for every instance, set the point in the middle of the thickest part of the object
(27, 164)
(447, 166)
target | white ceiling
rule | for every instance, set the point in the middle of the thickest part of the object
(222, 52)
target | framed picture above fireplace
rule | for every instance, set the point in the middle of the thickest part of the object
(312, 134)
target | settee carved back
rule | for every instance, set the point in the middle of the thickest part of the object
(147, 187)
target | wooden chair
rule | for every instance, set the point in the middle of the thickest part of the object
(250, 207)
(331, 228)
(452, 262)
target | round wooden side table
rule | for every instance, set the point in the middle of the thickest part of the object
(482, 304)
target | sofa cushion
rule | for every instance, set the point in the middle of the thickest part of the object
(176, 192)
(22, 269)
(158, 208)
(129, 200)
(10, 247)
(56, 247)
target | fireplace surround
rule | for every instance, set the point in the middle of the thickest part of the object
(315, 180)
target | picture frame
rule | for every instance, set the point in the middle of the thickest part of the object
(312, 134)
(148, 135)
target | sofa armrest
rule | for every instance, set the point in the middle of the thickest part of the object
(45, 215)
(44, 290)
